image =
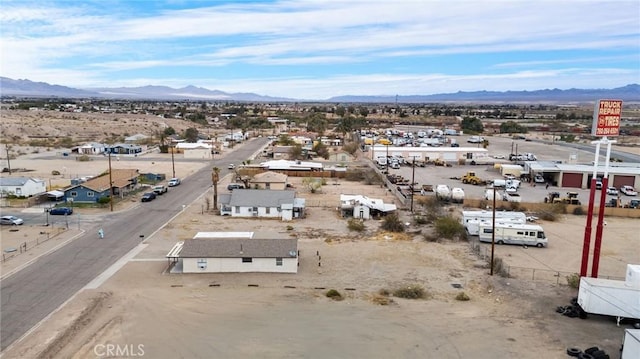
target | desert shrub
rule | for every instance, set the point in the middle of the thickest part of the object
(381, 300)
(384, 292)
(289, 228)
(462, 296)
(515, 206)
(392, 223)
(449, 227)
(334, 294)
(355, 225)
(499, 267)
(410, 292)
(355, 175)
(548, 216)
(104, 200)
(83, 158)
(55, 173)
(420, 220)
(430, 237)
(483, 203)
(573, 280)
(578, 211)
(432, 208)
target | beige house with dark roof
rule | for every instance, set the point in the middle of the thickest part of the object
(269, 180)
(224, 254)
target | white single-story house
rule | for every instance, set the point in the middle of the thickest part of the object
(292, 165)
(263, 203)
(341, 156)
(197, 150)
(21, 186)
(269, 180)
(225, 254)
(93, 148)
(363, 207)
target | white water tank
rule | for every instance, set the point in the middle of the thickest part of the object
(633, 275)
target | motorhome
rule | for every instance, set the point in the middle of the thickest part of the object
(488, 215)
(473, 225)
(523, 234)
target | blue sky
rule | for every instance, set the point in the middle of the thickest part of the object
(317, 49)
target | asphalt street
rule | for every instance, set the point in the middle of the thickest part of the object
(30, 295)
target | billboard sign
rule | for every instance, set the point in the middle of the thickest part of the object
(606, 118)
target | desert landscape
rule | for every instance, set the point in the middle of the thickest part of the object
(143, 310)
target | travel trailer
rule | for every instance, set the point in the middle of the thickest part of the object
(523, 234)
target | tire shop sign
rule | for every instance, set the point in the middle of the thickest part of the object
(606, 118)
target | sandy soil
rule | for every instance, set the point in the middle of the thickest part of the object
(287, 315)
(144, 310)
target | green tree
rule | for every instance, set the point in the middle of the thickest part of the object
(169, 131)
(321, 150)
(191, 134)
(295, 153)
(285, 140)
(472, 124)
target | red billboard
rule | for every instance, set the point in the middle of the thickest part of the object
(606, 118)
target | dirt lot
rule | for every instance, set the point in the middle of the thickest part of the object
(144, 310)
(184, 316)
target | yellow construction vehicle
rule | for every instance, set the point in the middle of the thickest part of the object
(554, 197)
(470, 177)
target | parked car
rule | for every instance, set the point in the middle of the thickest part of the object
(173, 182)
(634, 203)
(511, 197)
(61, 211)
(538, 179)
(612, 191)
(148, 197)
(160, 189)
(11, 220)
(233, 186)
(628, 190)
(598, 183)
(231, 166)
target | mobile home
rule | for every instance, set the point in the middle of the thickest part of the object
(524, 234)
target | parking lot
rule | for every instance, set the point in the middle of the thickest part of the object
(501, 146)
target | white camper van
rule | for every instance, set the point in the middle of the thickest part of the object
(524, 234)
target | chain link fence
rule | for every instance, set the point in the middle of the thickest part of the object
(10, 252)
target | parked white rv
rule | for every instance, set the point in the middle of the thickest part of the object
(443, 192)
(488, 215)
(631, 344)
(524, 234)
(488, 195)
(505, 183)
(473, 225)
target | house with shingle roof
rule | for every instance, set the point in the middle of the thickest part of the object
(241, 254)
(21, 186)
(262, 203)
(269, 180)
(123, 181)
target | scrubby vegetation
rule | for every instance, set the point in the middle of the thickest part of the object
(410, 292)
(392, 223)
(450, 228)
(356, 225)
(334, 294)
(462, 296)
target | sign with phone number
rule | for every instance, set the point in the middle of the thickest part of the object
(606, 118)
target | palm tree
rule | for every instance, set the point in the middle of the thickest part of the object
(215, 177)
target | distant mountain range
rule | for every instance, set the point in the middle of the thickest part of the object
(27, 88)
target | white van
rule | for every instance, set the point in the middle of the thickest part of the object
(524, 234)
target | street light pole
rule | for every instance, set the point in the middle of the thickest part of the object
(110, 184)
(173, 164)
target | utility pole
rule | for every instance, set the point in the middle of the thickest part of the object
(493, 228)
(173, 164)
(110, 183)
(413, 179)
(8, 159)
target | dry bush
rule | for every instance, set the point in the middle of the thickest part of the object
(392, 223)
(410, 292)
(573, 280)
(334, 294)
(449, 227)
(356, 225)
(462, 296)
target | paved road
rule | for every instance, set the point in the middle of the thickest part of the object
(30, 295)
